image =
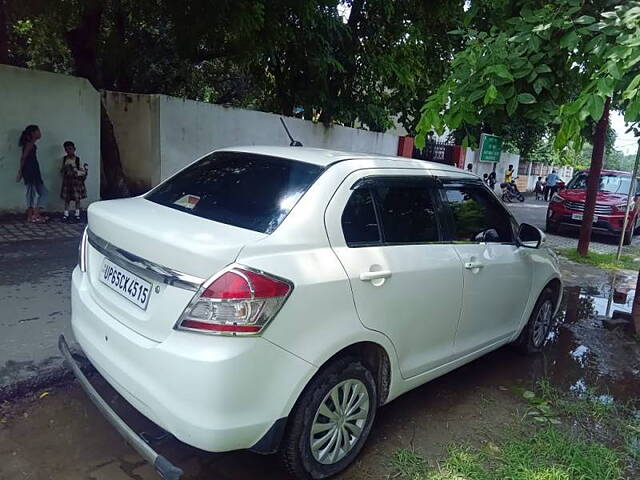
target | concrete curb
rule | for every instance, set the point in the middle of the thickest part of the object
(53, 373)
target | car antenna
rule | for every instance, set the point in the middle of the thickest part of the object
(294, 143)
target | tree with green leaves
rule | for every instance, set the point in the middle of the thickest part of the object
(560, 65)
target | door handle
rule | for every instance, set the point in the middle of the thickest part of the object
(367, 276)
(473, 265)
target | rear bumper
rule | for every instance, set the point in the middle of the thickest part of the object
(214, 393)
(160, 463)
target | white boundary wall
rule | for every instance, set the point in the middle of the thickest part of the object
(65, 108)
(480, 168)
(158, 134)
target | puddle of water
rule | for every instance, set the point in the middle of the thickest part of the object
(582, 356)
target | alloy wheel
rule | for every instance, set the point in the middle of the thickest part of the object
(339, 421)
(542, 323)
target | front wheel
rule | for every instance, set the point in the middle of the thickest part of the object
(628, 236)
(535, 332)
(551, 227)
(520, 197)
(331, 421)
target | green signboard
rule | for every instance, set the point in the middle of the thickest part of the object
(490, 148)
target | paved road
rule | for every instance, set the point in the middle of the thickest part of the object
(534, 212)
(34, 293)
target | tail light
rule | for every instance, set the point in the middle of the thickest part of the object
(238, 302)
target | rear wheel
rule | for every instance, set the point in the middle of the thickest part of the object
(505, 197)
(535, 332)
(520, 197)
(331, 420)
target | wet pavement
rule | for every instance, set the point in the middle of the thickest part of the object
(35, 279)
(63, 436)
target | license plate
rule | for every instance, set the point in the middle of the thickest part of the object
(130, 286)
(578, 216)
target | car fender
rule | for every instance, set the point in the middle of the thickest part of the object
(546, 269)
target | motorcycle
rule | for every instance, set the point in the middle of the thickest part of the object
(510, 192)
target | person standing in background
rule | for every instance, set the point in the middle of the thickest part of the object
(470, 167)
(73, 178)
(539, 189)
(492, 180)
(29, 172)
(508, 175)
(551, 185)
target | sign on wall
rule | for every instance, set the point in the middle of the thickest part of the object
(490, 148)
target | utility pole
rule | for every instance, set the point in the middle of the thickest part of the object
(632, 193)
(635, 311)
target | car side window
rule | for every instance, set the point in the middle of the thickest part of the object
(476, 215)
(359, 220)
(407, 212)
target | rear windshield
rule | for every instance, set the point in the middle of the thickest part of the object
(255, 192)
(608, 183)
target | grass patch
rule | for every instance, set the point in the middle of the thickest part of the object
(547, 454)
(603, 260)
(559, 437)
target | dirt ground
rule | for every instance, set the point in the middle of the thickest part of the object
(60, 435)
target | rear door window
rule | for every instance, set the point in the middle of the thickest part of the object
(245, 190)
(407, 212)
(390, 211)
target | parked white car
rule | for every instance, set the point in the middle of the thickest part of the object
(273, 299)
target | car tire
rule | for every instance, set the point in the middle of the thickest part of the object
(551, 227)
(348, 380)
(534, 334)
(628, 236)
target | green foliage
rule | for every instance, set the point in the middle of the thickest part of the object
(551, 66)
(343, 61)
(562, 436)
(548, 454)
(540, 409)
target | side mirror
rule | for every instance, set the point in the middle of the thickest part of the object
(530, 236)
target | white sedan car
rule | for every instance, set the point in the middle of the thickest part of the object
(272, 299)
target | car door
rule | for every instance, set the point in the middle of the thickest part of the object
(405, 283)
(498, 273)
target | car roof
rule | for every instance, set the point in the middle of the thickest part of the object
(326, 158)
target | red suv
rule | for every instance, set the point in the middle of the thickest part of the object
(567, 206)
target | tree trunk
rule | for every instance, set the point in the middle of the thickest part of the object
(4, 33)
(593, 181)
(114, 184)
(83, 44)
